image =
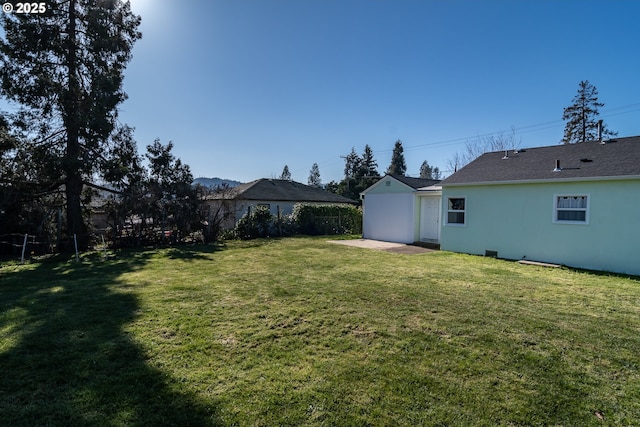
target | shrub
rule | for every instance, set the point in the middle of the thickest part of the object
(315, 219)
(258, 223)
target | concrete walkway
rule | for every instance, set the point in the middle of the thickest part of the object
(398, 248)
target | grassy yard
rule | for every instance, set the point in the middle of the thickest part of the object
(303, 332)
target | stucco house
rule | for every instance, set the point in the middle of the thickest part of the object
(402, 209)
(576, 205)
(276, 194)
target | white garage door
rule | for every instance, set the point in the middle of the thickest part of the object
(388, 217)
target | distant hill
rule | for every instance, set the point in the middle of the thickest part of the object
(214, 182)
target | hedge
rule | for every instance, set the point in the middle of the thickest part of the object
(319, 219)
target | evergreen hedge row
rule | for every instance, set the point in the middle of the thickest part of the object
(319, 219)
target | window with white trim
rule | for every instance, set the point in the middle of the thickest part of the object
(571, 209)
(456, 210)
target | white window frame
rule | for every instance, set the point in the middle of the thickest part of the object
(586, 209)
(463, 211)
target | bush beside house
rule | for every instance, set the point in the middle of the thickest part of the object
(314, 219)
(306, 218)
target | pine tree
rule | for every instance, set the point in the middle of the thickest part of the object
(285, 175)
(359, 174)
(398, 165)
(581, 115)
(352, 164)
(173, 199)
(314, 176)
(369, 165)
(65, 68)
(429, 172)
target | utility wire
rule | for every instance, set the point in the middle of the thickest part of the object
(519, 130)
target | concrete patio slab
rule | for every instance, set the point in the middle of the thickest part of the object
(399, 248)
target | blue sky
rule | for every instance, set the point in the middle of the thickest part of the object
(243, 87)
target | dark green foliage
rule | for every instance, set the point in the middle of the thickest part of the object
(352, 164)
(173, 200)
(306, 218)
(256, 223)
(25, 206)
(369, 165)
(286, 174)
(359, 174)
(581, 115)
(429, 172)
(314, 219)
(398, 166)
(314, 176)
(65, 70)
(152, 206)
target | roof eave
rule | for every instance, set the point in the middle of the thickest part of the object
(430, 189)
(545, 181)
(379, 182)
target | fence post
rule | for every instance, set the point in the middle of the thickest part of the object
(279, 222)
(104, 248)
(75, 242)
(24, 247)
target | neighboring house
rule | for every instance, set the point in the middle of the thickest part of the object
(402, 209)
(276, 194)
(577, 205)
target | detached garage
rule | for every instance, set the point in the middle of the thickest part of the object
(402, 209)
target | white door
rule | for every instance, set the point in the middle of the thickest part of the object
(430, 219)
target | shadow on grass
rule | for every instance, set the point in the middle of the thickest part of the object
(194, 252)
(67, 359)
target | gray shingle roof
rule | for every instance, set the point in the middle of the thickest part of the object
(416, 183)
(619, 157)
(282, 190)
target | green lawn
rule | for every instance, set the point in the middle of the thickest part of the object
(303, 332)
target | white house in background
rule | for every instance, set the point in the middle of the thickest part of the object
(576, 204)
(402, 209)
(278, 195)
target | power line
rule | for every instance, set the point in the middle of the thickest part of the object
(519, 130)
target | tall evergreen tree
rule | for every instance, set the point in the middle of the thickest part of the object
(173, 199)
(429, 172)
(352, 164)
(359, 173)
(581, 116)
(286, 175)
(65, 68)
(314, 176)
(369, 165)
(398, 166)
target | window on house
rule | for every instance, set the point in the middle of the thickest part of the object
(456, 210)
(571, 209)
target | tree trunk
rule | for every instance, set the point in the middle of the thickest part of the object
(73, 181)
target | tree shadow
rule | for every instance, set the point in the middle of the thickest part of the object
(67, 358)
(194, 252)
